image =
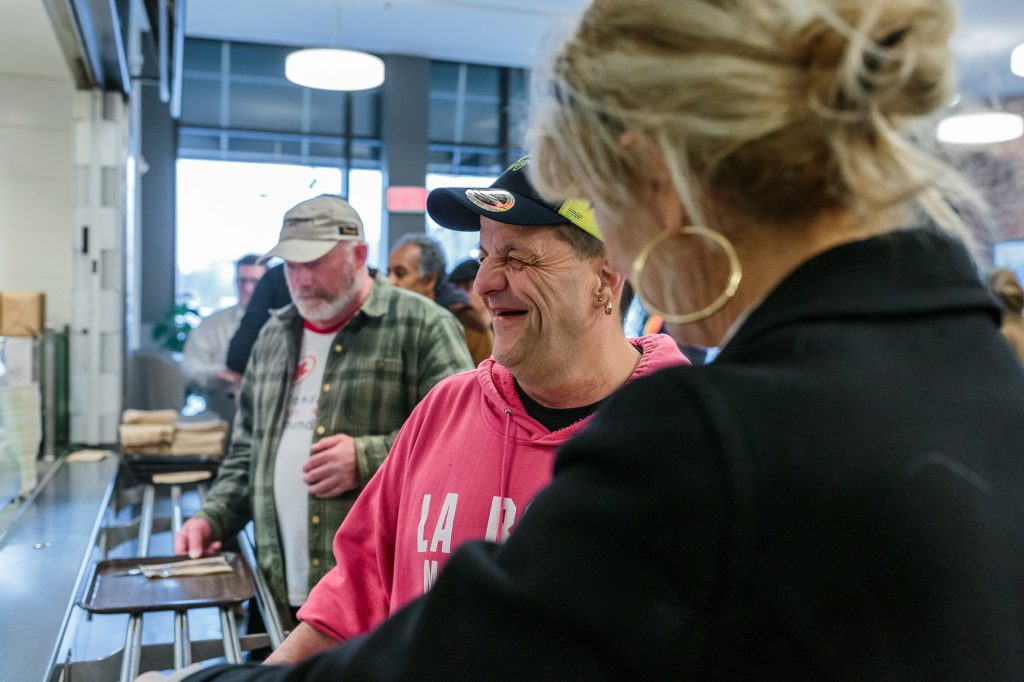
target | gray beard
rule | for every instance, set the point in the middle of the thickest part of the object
(323, 310)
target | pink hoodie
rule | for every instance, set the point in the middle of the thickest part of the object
(464, 467)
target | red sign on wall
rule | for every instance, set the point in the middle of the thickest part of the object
(407, 199)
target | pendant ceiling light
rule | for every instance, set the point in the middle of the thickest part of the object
(330, 69)
(981, 128)
(1017, 60)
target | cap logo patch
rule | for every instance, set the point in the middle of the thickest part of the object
(518, 165)
(493, 200)
(348, 231)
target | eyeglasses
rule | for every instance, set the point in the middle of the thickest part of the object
(247, 280)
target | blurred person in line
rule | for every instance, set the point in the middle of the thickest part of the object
(270, 294)
(417, 263)
(462, 276)
(331, 380)
(478, 448)
(1005, 286)
(207, 345)
(838, 496)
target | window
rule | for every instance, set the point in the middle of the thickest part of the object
(251, 145)
(1010, 255)
(477, 118)
(227, 209)
(457, 245)
(237, 105)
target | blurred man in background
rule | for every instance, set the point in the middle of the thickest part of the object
(207, 345)
(417, 263)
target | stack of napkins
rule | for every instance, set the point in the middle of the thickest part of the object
(177, 569)
(21, 430)
(158, 432)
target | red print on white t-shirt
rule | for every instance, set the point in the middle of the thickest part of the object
(306, 365)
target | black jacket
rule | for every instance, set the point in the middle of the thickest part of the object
(270, 294)
(838, 496)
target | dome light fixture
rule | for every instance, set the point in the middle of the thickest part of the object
(981, 128)
(333, 69)
(1017, 60)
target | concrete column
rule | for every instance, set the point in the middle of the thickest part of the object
(158, 235)
(405, 99)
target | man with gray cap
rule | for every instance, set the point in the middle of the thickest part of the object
(331, 380)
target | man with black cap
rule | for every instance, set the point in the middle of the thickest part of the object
(462, 277)
(331, 380)
(478, 448)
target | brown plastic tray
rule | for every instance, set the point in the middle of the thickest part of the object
(110, 593)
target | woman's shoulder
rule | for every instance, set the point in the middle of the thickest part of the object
(673, 409)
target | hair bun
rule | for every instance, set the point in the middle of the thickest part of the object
(894, 61)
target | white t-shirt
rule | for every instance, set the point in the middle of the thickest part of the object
(291, 496)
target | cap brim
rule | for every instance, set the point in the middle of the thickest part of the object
(300, 250)
(450, 207)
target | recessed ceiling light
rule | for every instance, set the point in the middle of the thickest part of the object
(1017, 60)
(328, 69)
(981, 128)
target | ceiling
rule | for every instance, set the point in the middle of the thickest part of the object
(28, 46)
(503, 32)
(512, 32)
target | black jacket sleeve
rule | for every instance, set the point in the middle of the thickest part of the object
(271, 293)
(610, 575)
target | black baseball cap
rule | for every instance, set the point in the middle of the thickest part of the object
(510, 199)
(464, 272)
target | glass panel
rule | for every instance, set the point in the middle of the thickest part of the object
(444, 77)
(202, 55)
(482, 81)
(198, 143)
(365, 113)
(365, 152)
(226, 209)
(290, 148)
(251, 145)
(441, 125)
(518, 84)
(487, 163)
(329, 150)
(481, 123)
(265, 107)
(518, 113)
(437, 160)
(457, 245)
(326, 112)
(248, 59)
(365, 193)
(1009, 254)
(200, 101)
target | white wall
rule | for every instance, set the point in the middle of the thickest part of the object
(36, 158)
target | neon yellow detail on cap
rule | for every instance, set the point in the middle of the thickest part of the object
(579, 213)
(519, 164)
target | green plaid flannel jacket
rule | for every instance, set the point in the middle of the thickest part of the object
(381, 365)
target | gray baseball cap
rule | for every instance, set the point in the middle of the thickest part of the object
(312, 228)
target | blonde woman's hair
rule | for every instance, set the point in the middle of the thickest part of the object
(770, 109)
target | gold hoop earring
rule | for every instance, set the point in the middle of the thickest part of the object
(735, 274)
(608, 308)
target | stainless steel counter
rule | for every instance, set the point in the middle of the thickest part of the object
(42, 552)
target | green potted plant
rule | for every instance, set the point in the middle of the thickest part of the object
(173, 328)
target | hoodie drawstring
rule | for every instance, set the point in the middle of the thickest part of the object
(506, 471)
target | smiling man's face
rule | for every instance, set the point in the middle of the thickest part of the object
(541, 296)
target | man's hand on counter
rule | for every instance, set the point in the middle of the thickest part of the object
(196, 539)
